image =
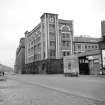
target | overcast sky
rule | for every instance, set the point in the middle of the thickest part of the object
(17, 16)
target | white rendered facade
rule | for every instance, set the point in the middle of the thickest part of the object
(52, 38)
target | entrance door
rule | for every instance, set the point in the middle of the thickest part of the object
(83, 66)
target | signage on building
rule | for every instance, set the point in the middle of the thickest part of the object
(103, 58)
(96, 61)
(90, 57)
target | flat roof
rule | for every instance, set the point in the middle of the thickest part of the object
(89, 53)
(86, 39)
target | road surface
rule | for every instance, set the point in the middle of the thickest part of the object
(52, 90)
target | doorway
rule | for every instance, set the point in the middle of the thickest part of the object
(83, 66)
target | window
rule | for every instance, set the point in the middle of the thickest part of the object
(52, 33)
(38, 56)
(52, 52)
(79, 46)
(66, 43)
(64, 53)
(65, 35)
(92, 46)
(32, 43)
(89, 46)
(29, 44)
(37, 39)
(32, 49)
(68, 53)
(65, 28)
(29, 50)
(51, 27)
(39, 46)
(86, 46)
(52, 43)
(96, 46)
(35, 56)
(38, 33)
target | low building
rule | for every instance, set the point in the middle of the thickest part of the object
(89, 54)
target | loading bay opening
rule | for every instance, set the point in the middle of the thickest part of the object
(83, 66)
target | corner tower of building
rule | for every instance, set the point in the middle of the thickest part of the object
(50, 37)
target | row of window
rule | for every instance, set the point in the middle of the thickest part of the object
(35, 48)
(85, 47)
(52, 43)
(91, 46)
(37, 40)
(66, 43)
(66, 53)
(38, 46)
(66, 35)
(52, 54)
(34, 42)
(30, 50)
(83, 61)
(37, 34)
(31, 59)
(35, 57)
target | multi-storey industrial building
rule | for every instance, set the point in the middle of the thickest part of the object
(48, 42)
(51, 40)
(19, 66)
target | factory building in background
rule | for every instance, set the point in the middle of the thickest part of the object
(43, 49)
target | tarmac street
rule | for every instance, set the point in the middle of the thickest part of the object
(52, 90)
